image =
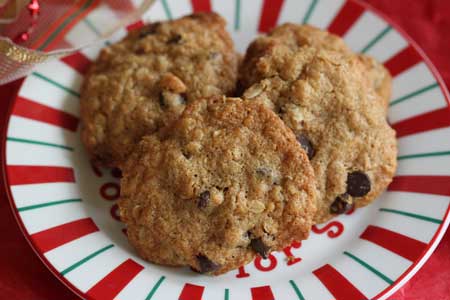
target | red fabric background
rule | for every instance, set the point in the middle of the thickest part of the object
(24, 277)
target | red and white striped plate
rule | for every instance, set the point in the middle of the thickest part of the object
(67, 209)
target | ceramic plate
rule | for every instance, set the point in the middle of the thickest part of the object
(67, 210)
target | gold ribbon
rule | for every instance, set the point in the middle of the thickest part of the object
(17, 61)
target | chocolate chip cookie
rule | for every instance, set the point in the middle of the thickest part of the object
(296, 36)
(227, 182)
(143, 82)
(321, 96)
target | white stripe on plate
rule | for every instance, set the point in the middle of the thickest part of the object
(293, 11)
(432, 206)
(312, 288)
(172, 289)
(366, 28)
(282, 291)
(249, 24)
(117, 36)
(406, 225)
(37, 155)
(325, 12)
(412, 79)
(141, 285)
(44, 218)
(60, 73)
(92, 52)
(432, 165)
(81, 34)
(68, 254)
(425, 102)
(103, 18)
(179, 8)
(388, 46)
(365, 281)
(214, 292)
(425, 142)
(95, 269)
(33, 194)
(24, 128)
(379, 258)
(155, 13)
(43, 92)
(227, 10)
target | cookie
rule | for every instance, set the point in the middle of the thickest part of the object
(296, 36)
(142, 83)
(379, 77)
(319, 94)
(228, 182)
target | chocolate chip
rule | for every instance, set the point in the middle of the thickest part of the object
(195, 270)
(306, 145)
(341, 204)
(205, 264)
(149, 29)
(281, 110)
(116, 172)
(358, 184)
(203, 199)
(186, 154)
(176, 39)
(259, 247)
(183, 98)
(162, 100)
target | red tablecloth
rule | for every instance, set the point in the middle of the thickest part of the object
(24, 277)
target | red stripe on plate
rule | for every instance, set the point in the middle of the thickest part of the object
(436, 185)
(262, 293)
(402, 61)
(201, 5)
(269, 15)
(191, 292)
(347, 16)
(432, 120)
(406, 247)
(42, 113)
(77, 61)
(18, 175)
(135, 25)
(114, 282)
(52, 238)
(120, 6)
(338, 285)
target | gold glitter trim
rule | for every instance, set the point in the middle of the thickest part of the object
(21, 54)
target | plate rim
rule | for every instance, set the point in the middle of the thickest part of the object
(384, 294)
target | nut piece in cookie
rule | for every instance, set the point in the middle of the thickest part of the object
(228, 182)
(143, 83)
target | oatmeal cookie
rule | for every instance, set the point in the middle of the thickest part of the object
(143, 82)
(319, 94)
(296, 36)
(227, 182)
